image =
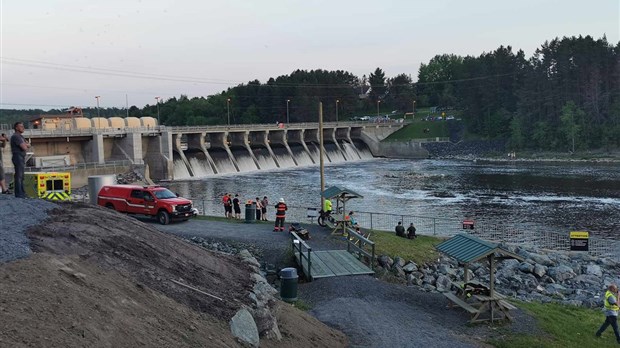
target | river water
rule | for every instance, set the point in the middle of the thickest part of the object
(541, 197)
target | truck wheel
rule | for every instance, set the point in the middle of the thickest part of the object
(109, 206)
(163, 217)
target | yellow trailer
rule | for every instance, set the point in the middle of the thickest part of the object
(48, 185)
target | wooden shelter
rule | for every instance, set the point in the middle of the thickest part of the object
(342, 195)
(467, 249)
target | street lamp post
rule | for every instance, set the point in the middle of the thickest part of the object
(157, 101)
(378, 102)
(287, 119)
(337, 101)
(228, 110)
(97, 97)
(413, 113)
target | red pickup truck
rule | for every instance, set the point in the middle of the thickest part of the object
(154, 201)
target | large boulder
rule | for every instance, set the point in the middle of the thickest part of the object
(594, 270)
(561, 273)
(244, 328)
(539, 270)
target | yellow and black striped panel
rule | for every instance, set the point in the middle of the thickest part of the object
(56, 196)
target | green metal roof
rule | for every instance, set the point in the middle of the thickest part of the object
(341, 193)
(465, 248)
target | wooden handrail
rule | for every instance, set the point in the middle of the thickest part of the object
(362, 242)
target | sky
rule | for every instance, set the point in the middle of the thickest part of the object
(61, 53)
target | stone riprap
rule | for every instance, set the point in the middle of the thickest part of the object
(573, 279)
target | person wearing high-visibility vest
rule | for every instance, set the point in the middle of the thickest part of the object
(611, 311)
(327, 206)
(280, 215)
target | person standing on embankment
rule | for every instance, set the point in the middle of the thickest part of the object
(280, 215)
(19, 146)
(611, 311)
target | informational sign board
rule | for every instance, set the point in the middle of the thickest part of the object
(579, 240)
(468, 224)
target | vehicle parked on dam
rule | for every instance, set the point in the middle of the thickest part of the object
(155, 201)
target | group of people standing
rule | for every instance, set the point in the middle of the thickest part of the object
(19, 146)
(233, 204)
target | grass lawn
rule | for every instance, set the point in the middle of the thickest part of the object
(420, 250)
(415, 130)
(565, 327)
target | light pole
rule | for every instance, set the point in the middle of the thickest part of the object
(413, 113)
(337, 101)
(97, 97)
(287, 120)
(228, 110)
(157, 101)
(378, 102)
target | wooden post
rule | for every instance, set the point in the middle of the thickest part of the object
(492, 275)
(321, 161)
(466, 275)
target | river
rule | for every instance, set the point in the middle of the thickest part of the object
(543, 197)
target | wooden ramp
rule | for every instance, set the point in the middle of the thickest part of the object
(333, 263)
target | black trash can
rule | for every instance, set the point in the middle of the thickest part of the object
(288, 284)
(250, 212)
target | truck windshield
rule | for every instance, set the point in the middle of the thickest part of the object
(165, 193)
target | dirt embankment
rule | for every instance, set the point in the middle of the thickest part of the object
(98, 278)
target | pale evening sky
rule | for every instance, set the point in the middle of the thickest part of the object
(60, 53)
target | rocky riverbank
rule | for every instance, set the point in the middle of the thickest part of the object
(576, 279)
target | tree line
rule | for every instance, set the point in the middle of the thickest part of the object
(565, 97)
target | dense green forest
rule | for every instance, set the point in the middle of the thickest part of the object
(565, 97)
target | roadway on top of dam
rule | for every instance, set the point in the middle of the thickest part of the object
(45, 133)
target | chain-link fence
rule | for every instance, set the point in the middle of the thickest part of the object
(443, 227)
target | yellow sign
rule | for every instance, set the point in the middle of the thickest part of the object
(579, 234)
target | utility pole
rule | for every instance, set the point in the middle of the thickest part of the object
(337, 101)
(228, 110)
(97, 97)
(157, 101)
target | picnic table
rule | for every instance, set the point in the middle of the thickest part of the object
(467, 249)
(497, 307)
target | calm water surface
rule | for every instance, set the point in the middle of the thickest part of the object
(555, 198)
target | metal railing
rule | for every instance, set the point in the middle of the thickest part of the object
(91, 165)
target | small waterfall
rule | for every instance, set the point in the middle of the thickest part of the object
(179, 169)
(222, 161)
(200, 166)
(244, 160)
(350, 151)
(266, 162)
(363, 150)
(285, 161)
(304, 160)
(334, 153)
(283, 157)
(263, 157)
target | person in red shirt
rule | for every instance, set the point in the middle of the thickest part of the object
(280, 216)
(227, 205)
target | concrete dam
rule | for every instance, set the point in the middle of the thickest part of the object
(177, 153)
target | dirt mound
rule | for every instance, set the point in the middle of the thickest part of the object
(99, 278)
